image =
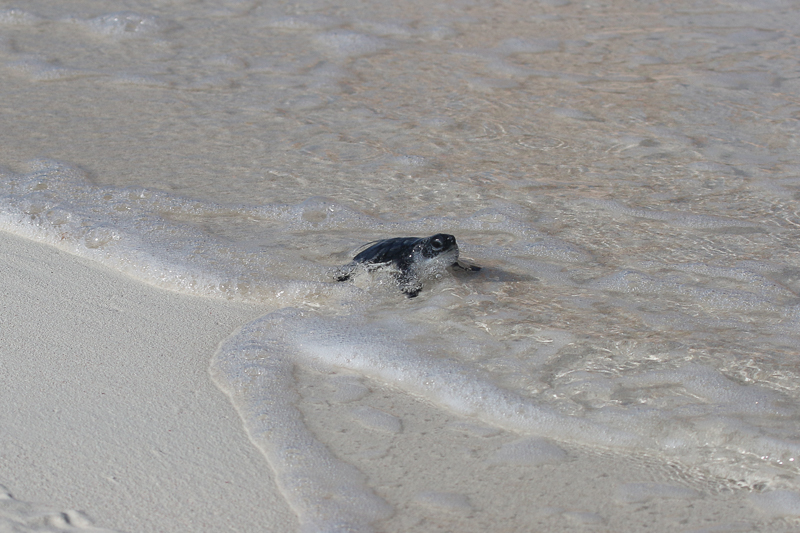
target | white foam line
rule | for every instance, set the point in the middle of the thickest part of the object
(382, 355)
(255, 365)
(326, 493)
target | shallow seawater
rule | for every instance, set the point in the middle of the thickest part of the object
(626, 173)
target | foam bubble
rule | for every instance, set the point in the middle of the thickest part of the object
(100, 236)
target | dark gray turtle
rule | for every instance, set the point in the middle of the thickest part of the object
(413, 258)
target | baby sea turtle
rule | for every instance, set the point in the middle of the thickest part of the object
(413, 258)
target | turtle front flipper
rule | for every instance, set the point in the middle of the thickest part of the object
(345, 272)
(410, 285)
(411, 290)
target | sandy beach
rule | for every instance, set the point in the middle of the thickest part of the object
(108, 408)
(180, 181)
(154, 446)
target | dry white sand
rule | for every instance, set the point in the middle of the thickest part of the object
(106, 405)
(107, 409)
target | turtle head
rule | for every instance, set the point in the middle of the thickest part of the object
(439, 244)
(432, 255)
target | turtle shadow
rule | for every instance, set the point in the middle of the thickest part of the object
(489, 274)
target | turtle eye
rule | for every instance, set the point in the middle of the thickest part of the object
(437, 245)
